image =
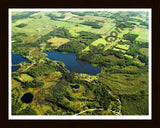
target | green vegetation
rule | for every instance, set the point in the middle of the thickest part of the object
(21, 25)
(121, 88)
(93, 24)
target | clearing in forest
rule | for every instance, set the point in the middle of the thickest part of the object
(57, 41)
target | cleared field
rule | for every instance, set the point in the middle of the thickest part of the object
(137, 23)
(124, 47)
(26, 77)
(75, 20)
(28, 39)
(93, 18)
(124, 31)
(113, 57)
(15, 83)
(64, 24)
(39, 26)
(144, 51)
(142, 32)
(128, 56)
(106, 27)
(79, 28)
(116, 49)
(131, 68)
(86, 49)
(57, 41)
(100, 41)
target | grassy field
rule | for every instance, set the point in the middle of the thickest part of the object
(131, 68)
(142, 32)
(117, 49)
(28, 39)
(39, 26)
(100, 41)
(128, 56)
(113, 57)
(123, 47)
(25, 77)
(57, 41)
(137, 23)
(122, 32)
(106, 27)
(15, 83)
(144, 51)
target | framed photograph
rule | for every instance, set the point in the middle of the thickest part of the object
(80, 63)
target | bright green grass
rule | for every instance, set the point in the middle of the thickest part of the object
(64, 24)
(123, 47)
(124, 31)
(86, 49)
(116, 49)
(100, 41)
(128, 56)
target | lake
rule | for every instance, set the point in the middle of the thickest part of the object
(73, 65)
(16, 59)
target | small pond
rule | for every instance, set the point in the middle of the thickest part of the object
(75, 86)
(27, 98)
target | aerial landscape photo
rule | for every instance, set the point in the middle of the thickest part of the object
(73, 62)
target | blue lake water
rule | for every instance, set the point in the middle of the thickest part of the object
(16, 59)
(69, 59)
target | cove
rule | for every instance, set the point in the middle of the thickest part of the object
(73, 65)
(16, 59)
